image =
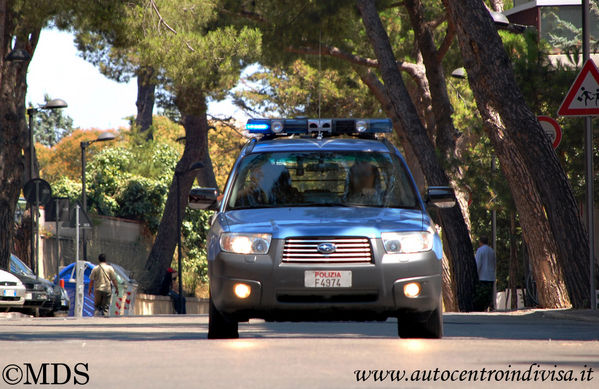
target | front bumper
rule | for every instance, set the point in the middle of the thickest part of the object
(278, 291)
(12, 296)
(38, 299)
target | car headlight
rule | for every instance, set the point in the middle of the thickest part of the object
(407, 242)
(39, 287)
(245, 243)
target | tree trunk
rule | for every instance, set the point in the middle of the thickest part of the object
(378, 90)
(12, 130)
(536, 230)
(195, 123)
(146, 88)
(450, 301)
(445, 135)
(452, 221)
(13, 88)
(495, 90)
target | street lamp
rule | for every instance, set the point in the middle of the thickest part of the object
(31, 111)
(459, 73)
(194, 166)
(104, 136)
(18, 55)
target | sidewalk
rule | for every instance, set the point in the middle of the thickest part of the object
(571, 314)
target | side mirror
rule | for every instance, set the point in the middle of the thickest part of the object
(203, 198)
(440, 197)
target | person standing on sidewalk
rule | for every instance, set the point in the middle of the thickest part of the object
(100, 281)
(485, 264)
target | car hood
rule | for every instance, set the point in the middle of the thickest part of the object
(9, 277)
(323, 221)
(25, 279)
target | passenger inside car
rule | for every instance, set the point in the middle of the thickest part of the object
(364, 184)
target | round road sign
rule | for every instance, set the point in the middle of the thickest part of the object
(37, 190)
(552, 129)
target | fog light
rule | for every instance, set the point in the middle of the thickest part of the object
(412, 289)
(242, 291)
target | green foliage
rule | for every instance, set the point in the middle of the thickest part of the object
(65, 187)
(195, 229)
(131, 180)
(563, 34)
(142, 199)
(195, 53)
(51, 125)
(295, 90)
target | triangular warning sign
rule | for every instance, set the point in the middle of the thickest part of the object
(583, 97)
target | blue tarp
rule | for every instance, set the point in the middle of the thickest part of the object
(68, 275)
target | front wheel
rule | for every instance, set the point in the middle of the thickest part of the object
(421, 325)
(221, 326)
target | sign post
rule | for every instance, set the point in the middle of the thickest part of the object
(80, 221)
(583, 100)
(37, 192)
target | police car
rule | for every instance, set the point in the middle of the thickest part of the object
(321, 220)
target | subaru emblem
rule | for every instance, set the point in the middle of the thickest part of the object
(326, 248)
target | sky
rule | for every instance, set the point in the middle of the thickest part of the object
(94, 101)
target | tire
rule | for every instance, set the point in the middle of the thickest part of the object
(421, 325)
(221, 326)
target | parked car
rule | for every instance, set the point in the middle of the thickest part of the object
(42, 297)
(321, 220)
(12, 291)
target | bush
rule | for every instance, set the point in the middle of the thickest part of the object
(142, 199)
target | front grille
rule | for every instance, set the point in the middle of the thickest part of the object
(347, 250)
(7, 298)
(8, 283)
(337, 298)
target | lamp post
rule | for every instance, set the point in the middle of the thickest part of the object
(194, 166)
(31, 111)
(104, 136)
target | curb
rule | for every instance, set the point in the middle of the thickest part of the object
(572, 315)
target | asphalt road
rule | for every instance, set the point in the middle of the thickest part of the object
(173, 352)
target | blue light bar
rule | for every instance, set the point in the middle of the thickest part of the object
(258, 126)
(380, 125)
(349, 126)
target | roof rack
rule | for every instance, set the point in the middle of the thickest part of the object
(320, 127)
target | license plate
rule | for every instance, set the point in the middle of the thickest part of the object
(28, 296)
(327, 279)
(10, 293)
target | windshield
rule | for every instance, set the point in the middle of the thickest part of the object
(18, 267)
(321, 178)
